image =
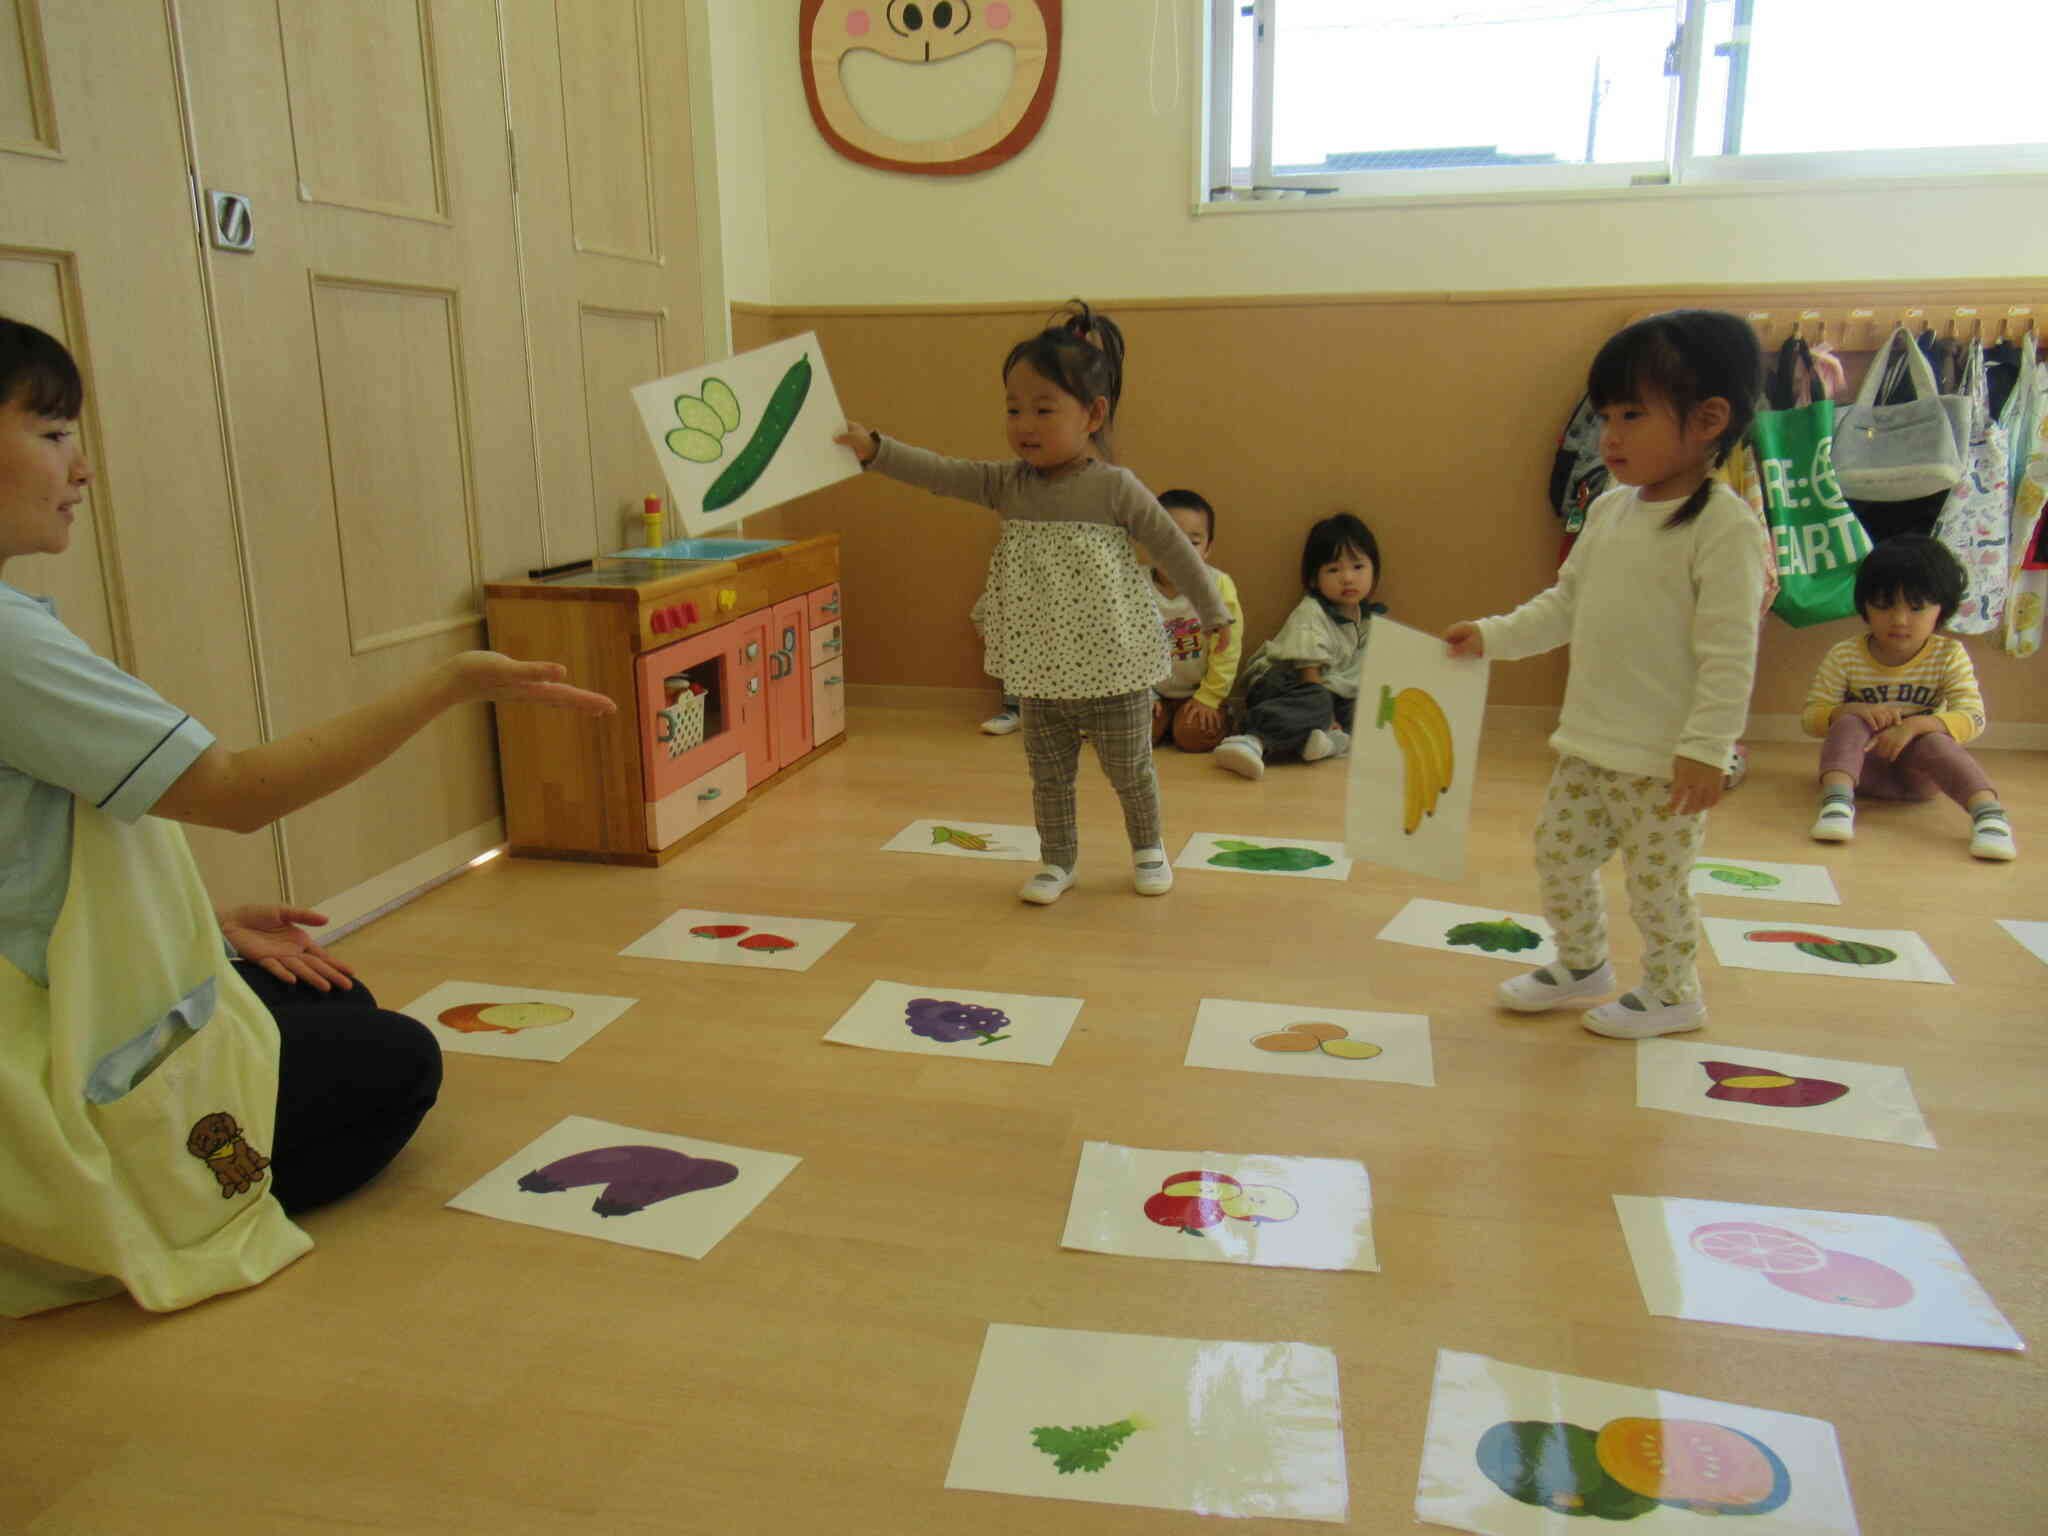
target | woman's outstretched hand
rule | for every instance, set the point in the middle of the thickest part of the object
(489, 675)
(864, 443)
(272, 938)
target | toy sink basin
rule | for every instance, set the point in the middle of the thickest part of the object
(702, 549)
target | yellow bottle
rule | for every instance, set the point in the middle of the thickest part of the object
(651, 519)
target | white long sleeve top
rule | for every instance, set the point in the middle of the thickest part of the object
(1662, 625)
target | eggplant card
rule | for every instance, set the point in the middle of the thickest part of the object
(746, 433)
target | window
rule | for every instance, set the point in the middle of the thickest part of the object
(1429, 97)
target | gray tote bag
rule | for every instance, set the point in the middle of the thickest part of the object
(1912, 448)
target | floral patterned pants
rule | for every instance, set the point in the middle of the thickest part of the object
(1589, 815)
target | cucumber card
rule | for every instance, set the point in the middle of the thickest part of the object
(746, 433)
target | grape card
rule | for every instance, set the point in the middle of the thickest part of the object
(961, 1022)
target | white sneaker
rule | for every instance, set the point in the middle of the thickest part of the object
(1836, 822)
(1047, 886)
(1001, 723)
(1151, 875)
(1552, 987)
(1320, 744)
(1242, 755)
(1991, 838)
(1618, 1021)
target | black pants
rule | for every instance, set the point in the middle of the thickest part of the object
(1280, 708)
(354, 1082)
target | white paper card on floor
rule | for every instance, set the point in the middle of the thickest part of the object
(1343, 1045)
(2031, 936)
(1212, 1427)
(1222, 1208)
(707, 937)
(746, 433)
(1244, 854)
(1824, 949)
(960, 1022)
(1521, 938)
(1511, 1451)
(1761, 880)
(1414, 745)
(1765, 1266)
(958, 838)
(1753, 1085)
(644, 1189)
(482, 1018)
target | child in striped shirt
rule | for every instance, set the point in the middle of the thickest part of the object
(1897, 703)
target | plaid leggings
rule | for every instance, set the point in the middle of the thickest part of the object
(1121, 729)
(1590, 814)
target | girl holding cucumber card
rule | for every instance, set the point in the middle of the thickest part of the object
(1067, 617)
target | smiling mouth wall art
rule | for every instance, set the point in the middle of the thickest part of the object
(925, 46)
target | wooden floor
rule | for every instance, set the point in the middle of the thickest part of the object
(425, 1370)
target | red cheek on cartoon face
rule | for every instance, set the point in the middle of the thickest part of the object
(928, 36)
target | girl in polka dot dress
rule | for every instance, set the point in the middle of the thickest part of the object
(1067, 616)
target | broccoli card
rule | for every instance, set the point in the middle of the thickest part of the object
(1212, 1427)
(746, 433)
(1517, 937)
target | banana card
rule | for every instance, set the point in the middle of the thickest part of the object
(1414, 745)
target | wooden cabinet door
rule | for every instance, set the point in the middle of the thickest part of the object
(789, 682)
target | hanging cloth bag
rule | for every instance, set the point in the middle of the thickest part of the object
(1816, 541)
(1898, 451)
(2027, 416)
(138, 1092)
(1975, 523)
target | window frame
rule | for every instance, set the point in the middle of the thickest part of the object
(1683, 170)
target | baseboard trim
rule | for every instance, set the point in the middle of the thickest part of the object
(363, 904)
(1998, 737)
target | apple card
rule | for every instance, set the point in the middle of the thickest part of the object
(746, 433)
(480, 1018)
(1222, 1208)
(1764, 1266)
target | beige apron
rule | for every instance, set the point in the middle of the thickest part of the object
(138, 1092)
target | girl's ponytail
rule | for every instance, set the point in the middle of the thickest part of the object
(1083, 353)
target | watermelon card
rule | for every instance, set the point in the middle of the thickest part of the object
(1825, 949)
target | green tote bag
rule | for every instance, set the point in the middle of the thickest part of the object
(1816, 539)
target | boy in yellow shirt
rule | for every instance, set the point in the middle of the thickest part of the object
(1897, 703)
(1188, 702)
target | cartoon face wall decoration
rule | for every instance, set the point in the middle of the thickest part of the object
(922, 45)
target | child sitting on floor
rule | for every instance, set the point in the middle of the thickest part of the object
(1302, 685)
(1896, 703)
(1188, 702)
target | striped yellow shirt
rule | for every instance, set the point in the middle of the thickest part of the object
(1939, 681)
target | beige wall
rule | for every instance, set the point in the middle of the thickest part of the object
(1099, 204)
(1433, 418)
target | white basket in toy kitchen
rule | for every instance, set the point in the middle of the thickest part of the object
(680, 726)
